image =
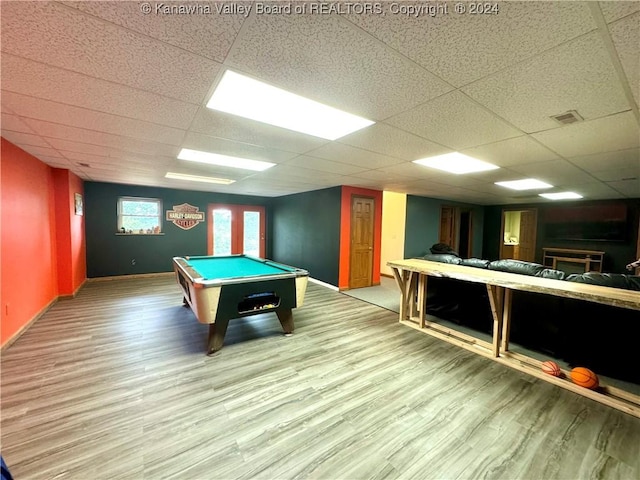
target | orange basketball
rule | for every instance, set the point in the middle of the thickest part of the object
(584, 377)
(551, 368)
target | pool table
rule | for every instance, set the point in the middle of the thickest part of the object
(220, 288)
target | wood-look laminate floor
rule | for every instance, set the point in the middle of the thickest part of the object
(116, 384)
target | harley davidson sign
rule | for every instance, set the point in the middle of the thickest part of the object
(185, 216)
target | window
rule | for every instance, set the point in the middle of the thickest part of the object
(139, 215)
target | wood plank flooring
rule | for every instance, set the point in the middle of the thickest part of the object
(116, 384)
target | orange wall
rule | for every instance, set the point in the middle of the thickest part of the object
(42, 244)
(71, 257)
(29, 277)
(345, 233)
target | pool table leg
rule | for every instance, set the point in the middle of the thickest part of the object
(286, 320)
(217, 331)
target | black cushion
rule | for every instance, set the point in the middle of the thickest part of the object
(475, 262)
(615, 280)
(516, 266)
(551, 273)
(443, 258)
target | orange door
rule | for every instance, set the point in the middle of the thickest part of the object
(362, 225)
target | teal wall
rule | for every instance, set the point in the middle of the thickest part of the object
(423, 224)
(110, 254)
(305, 232)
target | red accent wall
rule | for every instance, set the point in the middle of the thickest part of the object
(345, 233)
(42, 248)
(71, 254)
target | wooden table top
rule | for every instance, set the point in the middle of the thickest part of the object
(592, 293)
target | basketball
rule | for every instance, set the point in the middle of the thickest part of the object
(584, 377)
(551, 368)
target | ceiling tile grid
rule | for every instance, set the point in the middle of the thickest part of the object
(579, 75)
(456, 121)
(625, 35)
(209, 35)
(59, 36)
(39, 109)
(113, 94)
(463, 48)
(38, 80)
(326, 59)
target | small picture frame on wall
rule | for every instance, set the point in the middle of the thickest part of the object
(78, 204)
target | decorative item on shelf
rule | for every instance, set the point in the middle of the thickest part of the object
(122, 230)
(141, 230)
(156, 229)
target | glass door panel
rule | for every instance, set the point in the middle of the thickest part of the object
(251, 233)
(236, 229)
(222, 232)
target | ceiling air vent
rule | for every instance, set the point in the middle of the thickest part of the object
(568, 117)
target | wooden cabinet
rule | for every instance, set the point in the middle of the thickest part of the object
(510, 250)
(572, 261)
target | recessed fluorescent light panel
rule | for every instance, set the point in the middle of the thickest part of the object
(560, 195)
(456, 163)
(197, 178)
(249, 98)
(223, 160)
(526, 184)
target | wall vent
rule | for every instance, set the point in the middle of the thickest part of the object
(568, 117)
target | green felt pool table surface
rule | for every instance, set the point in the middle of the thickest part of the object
(234, 266)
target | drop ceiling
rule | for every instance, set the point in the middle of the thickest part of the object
(113, 94)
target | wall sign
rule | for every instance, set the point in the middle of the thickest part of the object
(185, 216)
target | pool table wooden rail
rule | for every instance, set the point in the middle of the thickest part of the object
(412, 278)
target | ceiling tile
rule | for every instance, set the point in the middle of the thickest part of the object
(629, 188)
(207, 34)
(615, 10)
(42, 81)
(597, 191)
(354, 156)
(455, 121)
(232, 127)
(412, 170)
(197, 141)
(388, 140)
(55, 131)
(626, 38)
(464, 48)
(576, 76)
(617, 132)
(314, 163)
(64, 37)
(133, 148)
(13, 123)
(20, 138)
(41, 151)
(609, 160)
(327, 59)
(555, 172)
(513, 151)
(38, 109)
(618, 174)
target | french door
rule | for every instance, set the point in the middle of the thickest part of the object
(234, 229)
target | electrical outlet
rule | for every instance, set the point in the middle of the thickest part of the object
(133, 261)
